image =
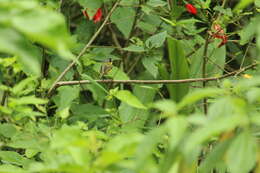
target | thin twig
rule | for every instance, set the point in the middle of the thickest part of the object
(84, 49)
(204, 68)
(234, 73)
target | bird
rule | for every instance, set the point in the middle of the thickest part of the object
(106, 67)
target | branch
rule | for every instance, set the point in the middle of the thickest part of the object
(83, 50)
(234, 73)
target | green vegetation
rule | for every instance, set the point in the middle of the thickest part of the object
(129, 86)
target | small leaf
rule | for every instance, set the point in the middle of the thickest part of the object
(26, 100)
(134, 48)
(156, 3)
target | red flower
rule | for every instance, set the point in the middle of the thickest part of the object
(97, 17)
(220, 34)
(191, 9)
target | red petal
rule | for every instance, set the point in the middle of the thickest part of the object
(191, 9)
(98, 16)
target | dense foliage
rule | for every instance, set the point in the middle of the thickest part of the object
(209, 122)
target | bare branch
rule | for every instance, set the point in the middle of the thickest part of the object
(234, 73)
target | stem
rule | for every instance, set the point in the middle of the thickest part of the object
(4, 98)
(204, 68)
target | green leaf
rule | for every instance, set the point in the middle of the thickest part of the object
(123, 18)
(134, 48)
(41, 25)
(242, 151)
(216, 60)
(214, 127)
(146, 148)
(119, 148)
(156, 40)
(65, 98)
(7, 130)
(14, 43)
(179, 69)
(166, 106)
(198, 95)
(117, 74)
(91, 6)
(242, 4)
(215, 156)
(156, 3)
(150, 63)
(11, 169)
(21, 86)
(94, 82)
(249, 31)
(253, 95)
(13, 158)
(135, 118)
(127, 97)
(26, 100)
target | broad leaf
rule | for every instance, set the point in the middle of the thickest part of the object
(123, 18)
(179, 69)
(242, 151)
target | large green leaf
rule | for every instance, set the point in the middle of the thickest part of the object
(39, 24)
(242, 4)
(215, 62)
(123, 18)
(14, 158)
(214, 127)
(135, 118)
(179, 69)
(6, 168)
(14, 43)
(249, 31)
(215, 156)
(65, 98)
(242, 151)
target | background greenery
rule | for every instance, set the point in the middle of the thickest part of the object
(129, 128)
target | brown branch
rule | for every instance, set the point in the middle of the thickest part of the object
(83, 50)
(234, 73)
